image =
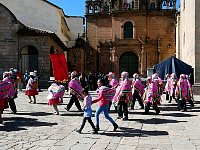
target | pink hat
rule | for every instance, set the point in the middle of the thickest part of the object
(111, 74)
(182, 76)
(135, 75)
(148, 79)
(154, 76)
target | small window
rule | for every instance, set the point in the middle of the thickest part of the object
(128, 30)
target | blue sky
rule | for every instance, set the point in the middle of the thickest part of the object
(75, 7)
(71, 7)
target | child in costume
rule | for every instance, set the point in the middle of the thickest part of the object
(123, 96)
(181, 92)
(31, 88)
(56, 93)
(151, 96)
(137, 91)
(103, 106)
(87, 111)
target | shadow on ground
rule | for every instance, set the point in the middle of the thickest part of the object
(156, 121)
(131, 132)
(33, 113)
(21, 123)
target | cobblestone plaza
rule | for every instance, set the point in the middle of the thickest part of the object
(36, 127)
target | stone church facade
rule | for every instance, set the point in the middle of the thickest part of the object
(128, 35)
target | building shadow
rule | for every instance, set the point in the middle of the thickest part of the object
(131, 132)
(21, 123)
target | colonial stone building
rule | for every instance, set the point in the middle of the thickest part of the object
(26, 48)
(130, 35)
(188, 37)
(30, 31)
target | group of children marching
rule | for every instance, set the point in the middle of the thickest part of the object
(121, 94)
(180, 90)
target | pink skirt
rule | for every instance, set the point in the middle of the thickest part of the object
(54, 101)
(31, 92)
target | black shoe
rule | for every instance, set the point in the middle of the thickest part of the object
(119, 117)
(97, 128)
(115, 127)
(79, 131)
(157, 112)
(66, 109)
(14, 112)
(125, 119)
(95, 131)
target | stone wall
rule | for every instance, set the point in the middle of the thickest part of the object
(8, 40)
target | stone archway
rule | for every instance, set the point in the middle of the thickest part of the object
(128, 62)
(29, 59)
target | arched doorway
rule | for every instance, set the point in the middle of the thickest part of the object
(128, 62)
(29, 59)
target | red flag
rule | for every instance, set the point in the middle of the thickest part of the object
(59, 65)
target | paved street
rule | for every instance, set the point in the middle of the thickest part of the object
(36, 127)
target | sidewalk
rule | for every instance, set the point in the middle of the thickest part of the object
(36, 127)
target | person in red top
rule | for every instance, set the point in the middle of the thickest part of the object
(103, 106)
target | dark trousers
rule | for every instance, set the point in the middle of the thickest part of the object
(84, 121)
(155, 107)
(181, 104)
(167, 96)
(191, 103)
(122, 105)
(12, 105)
(110, 104)
(72, 100)
(137, 96)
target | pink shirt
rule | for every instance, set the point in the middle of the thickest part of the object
(101, 100)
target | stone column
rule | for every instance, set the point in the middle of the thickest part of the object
(142, 70)
(159, 48)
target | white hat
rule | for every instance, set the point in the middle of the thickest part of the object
(135, 75)
(6, 73)
(52, 79)
(124, 74)
(32, 74)
(111, 74)
(73, 73)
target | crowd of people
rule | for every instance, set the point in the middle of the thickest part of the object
(122, 94)
(12, 83)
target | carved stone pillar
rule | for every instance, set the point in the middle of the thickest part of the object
(142, 70)
(159, 48)
(93, 8)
